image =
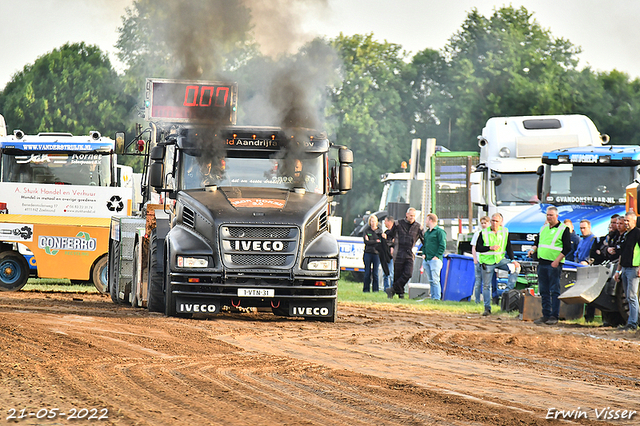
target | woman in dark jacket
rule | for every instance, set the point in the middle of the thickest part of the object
(372, 237)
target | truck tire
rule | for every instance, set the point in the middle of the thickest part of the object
(156, 294)
(612, 319)
(334, 313)
(99, 274)
(14, 271)
(114, 255)
(169, 298)
(135, 283)
(623, 304)
(282, 310)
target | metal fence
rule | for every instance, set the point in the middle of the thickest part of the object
(450, 173)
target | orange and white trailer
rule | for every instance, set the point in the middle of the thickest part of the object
(58, 193)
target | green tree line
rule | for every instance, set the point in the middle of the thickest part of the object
(370, 95)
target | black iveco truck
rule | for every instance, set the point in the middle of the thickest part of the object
(244, 220)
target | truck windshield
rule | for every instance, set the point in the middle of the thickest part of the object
(570, 184)
(516, 188)
(283, 173)
(49, 168)
(395, 191)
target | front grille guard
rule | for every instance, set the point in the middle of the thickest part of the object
(215, 286)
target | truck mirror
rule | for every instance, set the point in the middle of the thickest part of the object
(540, 170)
(346, 178)
(120, 138)
(539, 187)
(496, 179)
(155, 175)
(333, 177)
(157, 153)
(345, 156)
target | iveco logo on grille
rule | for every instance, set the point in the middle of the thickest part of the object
(257, 245)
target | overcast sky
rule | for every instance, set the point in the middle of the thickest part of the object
(608, 32)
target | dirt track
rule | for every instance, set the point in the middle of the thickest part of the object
(374, 366)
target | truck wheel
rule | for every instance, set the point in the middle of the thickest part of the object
(114, 255)
(99, 274)
(135, 282)
(612, 319)
(169, 298)
(621, 301)
(14, 271)
(156, 295)
(282, 310)
(334, 313)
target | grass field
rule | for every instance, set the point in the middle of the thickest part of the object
(348, 291)
(49, 285)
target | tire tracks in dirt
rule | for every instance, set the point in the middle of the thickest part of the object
(374, 366)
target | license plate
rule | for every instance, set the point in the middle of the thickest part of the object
(256, 292)
(526, 248)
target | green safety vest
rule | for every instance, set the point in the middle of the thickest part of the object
(550, 242)
(636, 255)
(490, 238)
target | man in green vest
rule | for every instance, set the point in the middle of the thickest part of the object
(552, 244)
(492, 246)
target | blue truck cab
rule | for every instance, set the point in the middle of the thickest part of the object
(583, 183)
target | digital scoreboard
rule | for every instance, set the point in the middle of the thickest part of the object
(202, 102)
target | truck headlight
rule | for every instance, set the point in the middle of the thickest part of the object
(322, 265)
(192, 262)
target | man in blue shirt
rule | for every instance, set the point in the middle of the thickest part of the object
(586, 241)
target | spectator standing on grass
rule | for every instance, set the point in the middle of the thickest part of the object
(575, 240)
(406, 233)
(372, 236)
(552, 244)
(387, 281)
(435, 242)
(627, 270)
(494, 247)
(477, 287)
(586, 241)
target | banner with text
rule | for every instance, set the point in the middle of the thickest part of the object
(64, 200)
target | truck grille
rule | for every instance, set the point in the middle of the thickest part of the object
(258, 259)
(258, 247)
(262, 232)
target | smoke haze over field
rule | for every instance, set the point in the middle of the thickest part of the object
(278, 25)
(199, 34)
(286, 91)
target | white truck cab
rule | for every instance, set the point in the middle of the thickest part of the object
(510, 153)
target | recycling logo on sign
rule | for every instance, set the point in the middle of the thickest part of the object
(115, 204)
